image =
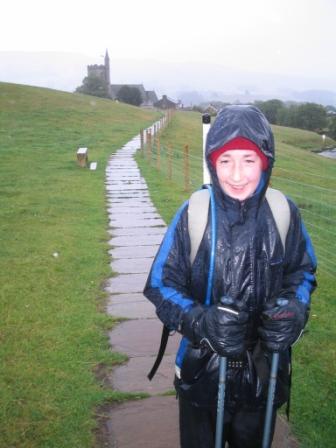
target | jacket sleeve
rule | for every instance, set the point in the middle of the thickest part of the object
(300, 262)
(168, 282)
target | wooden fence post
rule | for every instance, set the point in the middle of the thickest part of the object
(149, 146)
(170, 162)
(186, 168)
(158, 155)
(142, 139)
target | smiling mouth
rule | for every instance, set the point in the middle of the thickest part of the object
(237, 187)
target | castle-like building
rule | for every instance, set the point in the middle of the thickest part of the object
(102, 71)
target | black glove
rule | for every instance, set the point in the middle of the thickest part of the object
(282, 324)
(222, 327)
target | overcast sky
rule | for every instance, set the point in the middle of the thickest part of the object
(293, 37)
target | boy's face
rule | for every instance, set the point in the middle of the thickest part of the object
(239, 172)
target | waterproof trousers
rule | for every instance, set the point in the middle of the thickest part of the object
(242, 429)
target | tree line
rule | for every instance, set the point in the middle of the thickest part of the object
(309, 116)
(96, 86)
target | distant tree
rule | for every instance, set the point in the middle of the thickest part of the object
(271, 109)
(288, 116)
(130, 95)
(94, 85)
(332, 127)
(311, 116)
(331, 109)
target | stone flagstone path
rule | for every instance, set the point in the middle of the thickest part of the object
(136, 231)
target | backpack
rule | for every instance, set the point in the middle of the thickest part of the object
(198, 216)
(197, 220)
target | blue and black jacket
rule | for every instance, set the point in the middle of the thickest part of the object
(251, 265)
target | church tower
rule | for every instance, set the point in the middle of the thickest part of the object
(107, 72)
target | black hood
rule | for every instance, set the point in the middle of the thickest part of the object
(241, 121)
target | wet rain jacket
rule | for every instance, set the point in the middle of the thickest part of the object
(250, 265)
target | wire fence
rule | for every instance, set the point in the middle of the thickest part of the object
(313, 190)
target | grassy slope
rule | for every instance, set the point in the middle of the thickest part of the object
(313, 410)
(52, 333)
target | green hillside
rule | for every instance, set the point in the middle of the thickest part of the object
(53, 260)
(310, 180)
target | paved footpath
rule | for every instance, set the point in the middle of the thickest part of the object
(136, 231)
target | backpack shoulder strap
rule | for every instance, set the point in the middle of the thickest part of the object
(281, 212)
(197, 219)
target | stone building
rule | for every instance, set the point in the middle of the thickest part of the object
(102, 71)
(165, 103)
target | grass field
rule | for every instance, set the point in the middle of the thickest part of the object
(311, 181)
(53, 260)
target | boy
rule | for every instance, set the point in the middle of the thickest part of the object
(266, 287)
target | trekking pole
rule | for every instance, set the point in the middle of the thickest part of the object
(206, 121)
(220, 402)
(227, 301)
(270, 400)
(271, 390)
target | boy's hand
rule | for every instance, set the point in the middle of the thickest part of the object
(282, 324)
(222, 327)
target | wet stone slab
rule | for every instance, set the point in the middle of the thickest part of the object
(123, 178)
(130, 297)
(125, 160)
(127, 194)
(121, 192)
(113, 178)
(141, 337)
(138, 231)
(123, 174)
(122, 209)
(131, 309)
(126, 283)
(154, 423)
(127, 203)
(132, 377)
(121, 185)
(132, 221)
(162, 413)
(134, 252)
(134, 213)
(123, 164)
(132, 266)
(135, 240)
(282, 436)
(125, 187)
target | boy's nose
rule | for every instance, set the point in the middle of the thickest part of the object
(236, 172)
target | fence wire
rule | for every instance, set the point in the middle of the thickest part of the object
(314, 192)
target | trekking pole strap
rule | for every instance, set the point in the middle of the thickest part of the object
(162, 349)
